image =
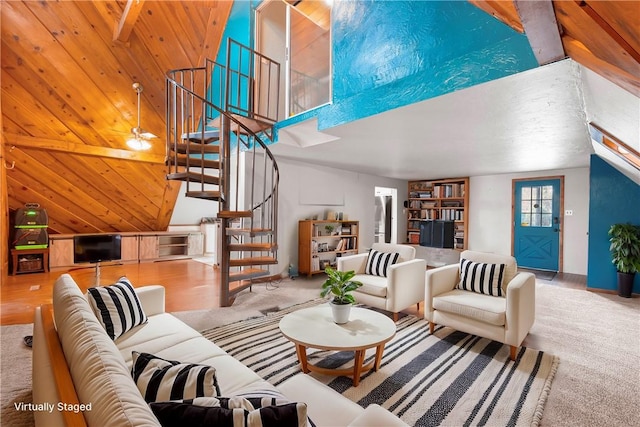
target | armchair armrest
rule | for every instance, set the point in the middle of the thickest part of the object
(438, 281)
(405, 284)
(152, 299)
(521, 307)
(356, 263)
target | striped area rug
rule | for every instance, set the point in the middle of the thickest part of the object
(449, 378)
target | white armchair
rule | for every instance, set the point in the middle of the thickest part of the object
(506, 318)
(403, 285)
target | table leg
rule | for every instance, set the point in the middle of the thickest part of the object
(357, 366)
(301, 351)
(379, 351)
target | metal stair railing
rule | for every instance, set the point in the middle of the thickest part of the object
(193, 106)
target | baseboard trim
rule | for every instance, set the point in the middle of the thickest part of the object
(608, 291)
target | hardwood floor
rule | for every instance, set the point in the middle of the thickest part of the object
(190, 285)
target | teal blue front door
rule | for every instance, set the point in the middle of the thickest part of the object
(537, 224)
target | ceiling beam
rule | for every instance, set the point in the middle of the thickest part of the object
(602, 23)
(82, 149)
(123, 28)
(540, 25)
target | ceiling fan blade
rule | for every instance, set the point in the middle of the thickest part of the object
(147, 135)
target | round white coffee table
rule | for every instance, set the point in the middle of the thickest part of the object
(314, 327)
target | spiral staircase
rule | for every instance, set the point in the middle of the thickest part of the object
(219, 121)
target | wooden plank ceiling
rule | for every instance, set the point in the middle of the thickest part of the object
(68, 105)
(603, 36)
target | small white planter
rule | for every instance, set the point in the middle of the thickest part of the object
(340, 312)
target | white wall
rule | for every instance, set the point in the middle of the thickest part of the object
(190, 211)
(490, 221)
(307, 190)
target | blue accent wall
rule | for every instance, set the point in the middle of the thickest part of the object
(613, 198)
(239, 27)
(388, 54)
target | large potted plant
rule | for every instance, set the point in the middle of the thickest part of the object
(625, 251)
(340, 285)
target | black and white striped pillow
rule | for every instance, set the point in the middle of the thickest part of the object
(159, 379)
(117, 307)
(481, 278)
(187, 413)
(378, 262)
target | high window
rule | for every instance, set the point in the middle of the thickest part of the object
(297, 34)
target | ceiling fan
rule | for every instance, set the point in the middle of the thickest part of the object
(139, 137)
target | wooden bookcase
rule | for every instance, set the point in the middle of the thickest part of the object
(444, 199)
(318, 247)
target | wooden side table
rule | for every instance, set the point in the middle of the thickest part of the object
(314, 328)
(42, 251)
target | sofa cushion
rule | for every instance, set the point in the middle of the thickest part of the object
(99, 373)
(378, 262)
(481, 277)
(166, 336)
(484, 308)
(159, 379)
(372, 285)
(239, 413)
(117, 307)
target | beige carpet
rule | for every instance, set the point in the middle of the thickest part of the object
(15, 375)
(596, 336)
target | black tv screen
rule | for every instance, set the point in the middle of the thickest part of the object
(96, 248)
(437, 233)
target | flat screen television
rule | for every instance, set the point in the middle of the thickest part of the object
(94, 248)
(437, 233)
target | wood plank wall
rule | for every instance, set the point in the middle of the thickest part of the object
(68, 107)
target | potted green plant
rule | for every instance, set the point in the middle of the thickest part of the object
(340, 285)
(625, 251)
(329, 229)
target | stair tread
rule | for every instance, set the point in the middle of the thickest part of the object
(208, 135)
(234, 214)
(258, 260)
(194, 177)
(255, 125)
(197, 162)
(253, 246)
(196, 148)
(208, 195)
(248, 231)
(247, 273)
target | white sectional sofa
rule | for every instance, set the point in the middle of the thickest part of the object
(84, 377)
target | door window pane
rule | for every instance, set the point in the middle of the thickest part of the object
(536, 206)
